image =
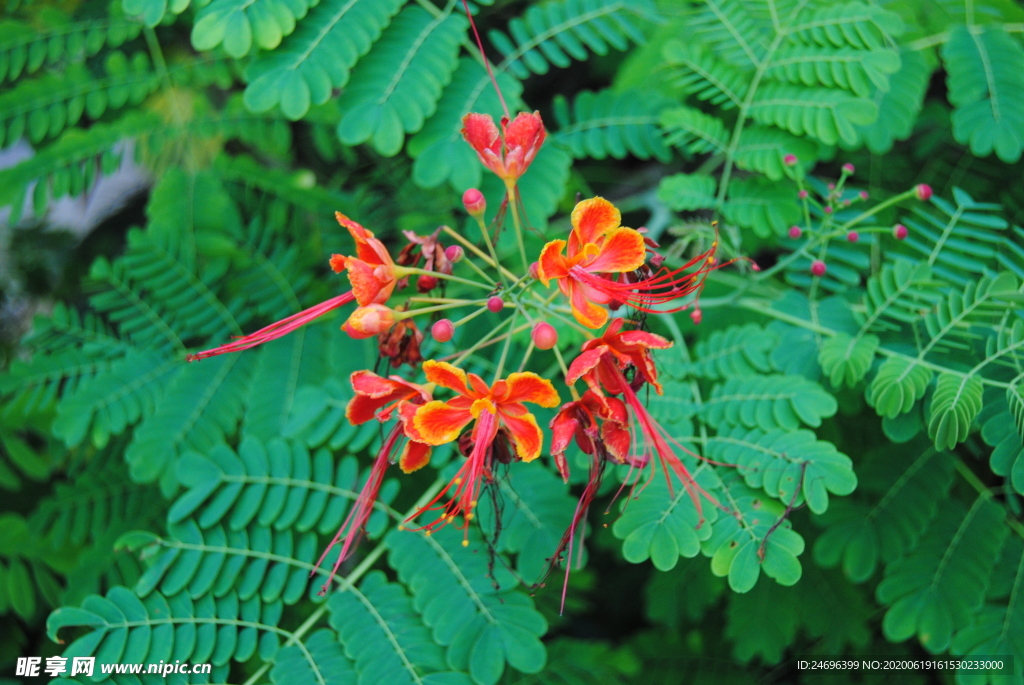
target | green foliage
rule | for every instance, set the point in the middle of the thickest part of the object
(610, 124)
(767, 402)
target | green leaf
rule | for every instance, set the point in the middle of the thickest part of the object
(936, 590)
(906, 489)
(688, 191)
(316, 59)
(733, 351)
(846, 359)
(828, 115)
(761, 205)
(613, 124)
(664, 525)
(764, 149)
(791, 466)
(238, 24)
(955, 404)
(900, 104)
(693, 130)
(396, 87)
(698, 72)
(986, 87)
(768, 402)
(898, 384)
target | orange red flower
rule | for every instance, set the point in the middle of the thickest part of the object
(490, 408)
(372, 272)
(597, 244)
(594, 421)
(510, 152)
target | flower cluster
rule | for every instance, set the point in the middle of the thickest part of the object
(577, 282)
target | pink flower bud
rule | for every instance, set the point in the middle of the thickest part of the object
(790, 160)
(923, 191)
(474, 202)
(831, 186)
(802, 195)
(368, 321)
(754, 266)
(443, 330)
(795, 232)
(495, 304)
(899, 231)
(827, 210)
(697, 315)
(454, 253)
(426, 283)
(864, 195)
(848, 168)
(818, 267)
(544, 335)
(533, 270)
(853, 236)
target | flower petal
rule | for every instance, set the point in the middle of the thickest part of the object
(622, 250)
(481, 133)
(415, 455)
(526, 434)
(437, 423)
(446, 375)
(616, 439)
(337, 263)
(645, 339)
(552, 263)
(590, 220)
(586, 312)
(584, 363)
(370, 384)
(563, 427)
(361, 409)
(365, 284)
(526, 386)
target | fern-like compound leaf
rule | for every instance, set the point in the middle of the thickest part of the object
(827, 114)
(763, 206)
(956, 402)
(905, 491)
(752, 538)
(733, 351)
(768, 402)
(764, 149)
(698, 72)
(320, 659)
(855, 24)
(986, 87)
(557, 32)
(791, 466)
(242, 25)
(395, 88)
(317, 58)
(937, 589)
(614, 124)
(481, 622)
(386, 638)
(688, 191)
(899, 105)
(665, 525)
(693, 130)
(862, 72)
(997, 430)
(846, 359)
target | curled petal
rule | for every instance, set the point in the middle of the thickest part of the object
(552, 263)
(616, 439)
(563, 428)
(446, 375)
(415, 455)
(622, 250)
(366, 285)
(370, 384)
(481, 133)
(645, 339)
(337, 263)
(438, 423)
(526, 386)
(584, 363)
(591, 219)
(526, 435)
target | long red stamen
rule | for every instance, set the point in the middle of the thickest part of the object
(351, 530)
(487, 63)
(467, 481)
(275, 330)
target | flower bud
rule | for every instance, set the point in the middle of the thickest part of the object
(697, 315)
(848, 168)
(368, 321)
(454, 253)
(831, 186)
(853, 236)
(790, 160)
(795, 232)
(544, 335)
(443, 330)
(495, 304)
(864, 195)
(802, 195)
(426, 283)
(533, 270)
(923, 191)
(818, 267)
(827, 210)
(899, 231)
(474, 202)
